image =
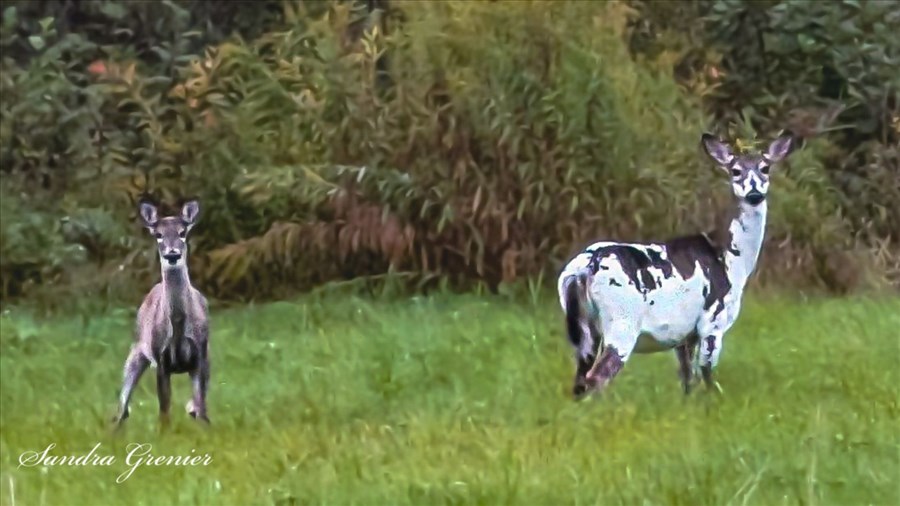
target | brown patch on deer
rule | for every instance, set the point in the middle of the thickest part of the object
(684, 253)
(604, 369)
(688, 251)
(635, 263)
(720, 236)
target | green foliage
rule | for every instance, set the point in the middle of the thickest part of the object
(46, 112)
(480, 163)
(823, 69)
(335, 399)
(502, 142)
(32, 248)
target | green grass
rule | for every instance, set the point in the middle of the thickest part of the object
(463, 399)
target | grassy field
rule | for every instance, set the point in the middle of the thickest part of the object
(459, 400)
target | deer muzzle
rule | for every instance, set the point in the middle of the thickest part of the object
(754, 198)
(172, 256)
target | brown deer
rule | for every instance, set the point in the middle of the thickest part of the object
(172, 331)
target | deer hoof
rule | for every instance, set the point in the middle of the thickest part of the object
(120, 417)
(194, 413)
(594, 384)
(579, 389)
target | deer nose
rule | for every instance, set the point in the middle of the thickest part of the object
(754, 198)
(172, 256)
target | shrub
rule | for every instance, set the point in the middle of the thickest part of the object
(503, 141)
(32, 249)
(477, 163)
(822, 68)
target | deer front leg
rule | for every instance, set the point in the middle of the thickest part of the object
(710, 330)
(200, 383)
(135, 365)
(163, 393)
(710, 348)
(685, 353)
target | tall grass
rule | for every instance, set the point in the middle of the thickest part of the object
(334, 399)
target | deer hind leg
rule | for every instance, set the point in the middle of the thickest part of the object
(619, 342)
(135, 365)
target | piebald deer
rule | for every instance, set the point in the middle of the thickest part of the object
(172, 331)
(681, 294)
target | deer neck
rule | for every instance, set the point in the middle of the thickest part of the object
(177, 286)
(741, 252)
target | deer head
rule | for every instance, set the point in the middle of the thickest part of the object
(171, 232)
(749, 172)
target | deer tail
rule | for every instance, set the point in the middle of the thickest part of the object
(576, 307)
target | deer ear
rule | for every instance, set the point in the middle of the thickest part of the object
(716, 149)
(189, 212)
(781, 147)
(148, 214)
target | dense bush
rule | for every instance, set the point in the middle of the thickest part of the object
(452, 139)
(824, 69)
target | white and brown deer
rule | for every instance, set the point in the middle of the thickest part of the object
(681, 294)
(172, 331)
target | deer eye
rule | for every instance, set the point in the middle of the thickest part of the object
(158, 235)
(736, 172)
(764, 169)
(182, 234)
